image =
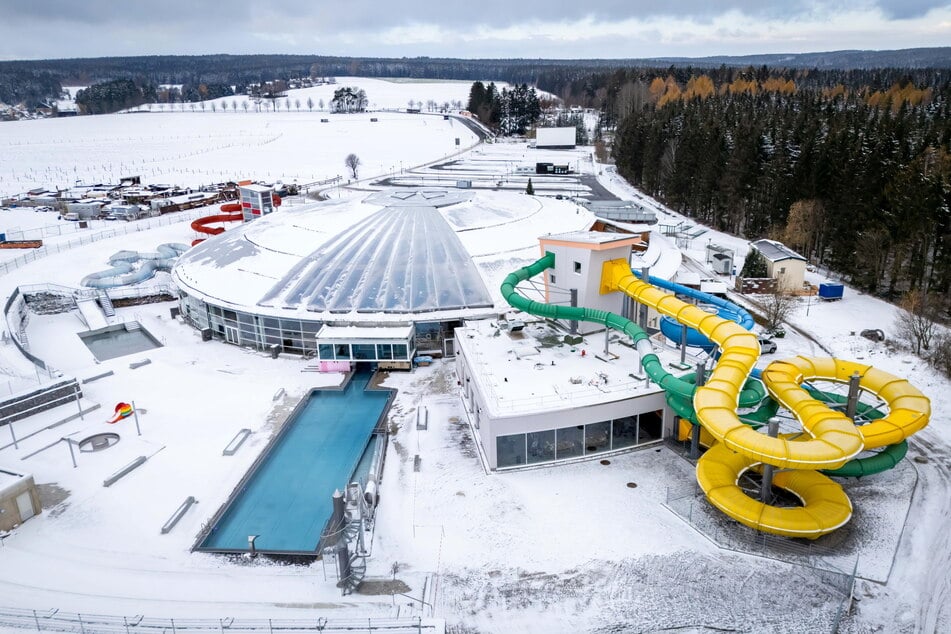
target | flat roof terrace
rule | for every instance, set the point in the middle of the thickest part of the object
(533, 370)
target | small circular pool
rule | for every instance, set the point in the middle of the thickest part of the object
(98, 442)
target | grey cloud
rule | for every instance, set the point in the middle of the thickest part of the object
(905, 9)
(364, 15)
(77, 28)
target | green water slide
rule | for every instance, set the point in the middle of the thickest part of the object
(755, 406)
(679, 389)
(879, 461)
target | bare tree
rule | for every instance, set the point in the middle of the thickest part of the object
(915, 323)
(941, 353)
(776, 308)
(353, 163)
(244, 104)
(296, 104)
(310, 103)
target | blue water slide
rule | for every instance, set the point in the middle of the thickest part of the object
(124, 270)
(727, 310)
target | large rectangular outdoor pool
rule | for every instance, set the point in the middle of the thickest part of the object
(286, 497)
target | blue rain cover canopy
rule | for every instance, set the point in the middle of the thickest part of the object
(402, 259)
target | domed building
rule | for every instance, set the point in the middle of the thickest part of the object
(380, 277)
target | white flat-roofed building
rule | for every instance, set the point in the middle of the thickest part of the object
(533, 399)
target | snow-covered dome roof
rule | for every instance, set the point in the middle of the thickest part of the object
(404, 258)
(378, 257)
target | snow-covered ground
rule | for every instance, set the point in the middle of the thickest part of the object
(562, 549)
(193, 149)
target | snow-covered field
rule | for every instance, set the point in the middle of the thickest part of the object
(193, 149)
(570, 548)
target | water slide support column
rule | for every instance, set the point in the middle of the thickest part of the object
(853, 401)
(573, 323)
(768, 469)
(695, 432)
(642, 322)
(683, 344)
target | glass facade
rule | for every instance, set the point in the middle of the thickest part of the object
(295, 336)
(579, 440)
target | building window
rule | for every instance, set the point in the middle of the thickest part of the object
(552, 278)
(577, 267)
(597, 437)
(510, 451)
(325, 351)
(570, 442)
(624, 432)
(364, 351)
(541, 446)
(651, 426)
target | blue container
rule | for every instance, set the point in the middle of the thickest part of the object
(831, 291)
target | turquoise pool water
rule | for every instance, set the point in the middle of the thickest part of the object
(286, 499)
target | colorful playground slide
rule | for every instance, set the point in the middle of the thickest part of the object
(830, 440)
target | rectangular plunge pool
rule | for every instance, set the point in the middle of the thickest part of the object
(118, 341)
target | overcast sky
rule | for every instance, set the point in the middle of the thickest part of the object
(32, 29)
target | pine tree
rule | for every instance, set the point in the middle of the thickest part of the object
(755, 265)
(529, 189)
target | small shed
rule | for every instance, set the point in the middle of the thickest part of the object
(19, 499)
(85, 210)
(720, 259)
(783, 264)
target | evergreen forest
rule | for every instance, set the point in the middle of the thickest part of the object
(855, 177)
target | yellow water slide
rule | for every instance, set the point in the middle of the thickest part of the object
(829, 438)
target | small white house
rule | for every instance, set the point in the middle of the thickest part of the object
(783, 264)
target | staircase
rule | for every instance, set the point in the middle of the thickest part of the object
(358, 517)
(358, 569)
(106, 303)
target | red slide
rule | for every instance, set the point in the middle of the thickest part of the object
(232, 214)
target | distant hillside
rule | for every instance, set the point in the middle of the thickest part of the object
(32, 82)
(844, 60)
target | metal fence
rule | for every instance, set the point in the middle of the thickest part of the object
(97, 235)
(688, 503)
(60, 621)
(44, 372)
